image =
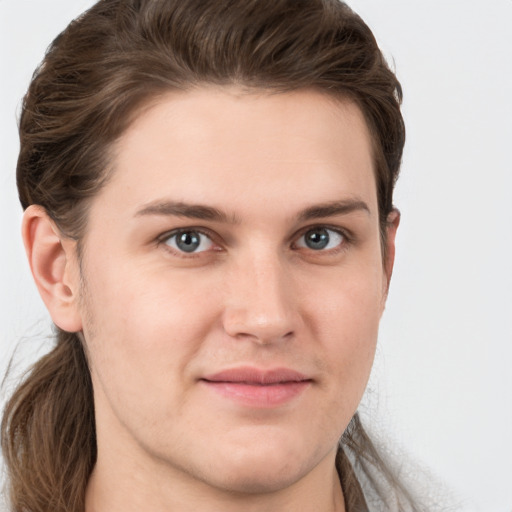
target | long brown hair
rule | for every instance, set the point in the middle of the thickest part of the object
(94, 78)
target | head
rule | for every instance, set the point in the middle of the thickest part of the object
(282, 119)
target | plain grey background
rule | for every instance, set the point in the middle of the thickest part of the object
(441, 389)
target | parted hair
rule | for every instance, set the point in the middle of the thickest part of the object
(94, 79)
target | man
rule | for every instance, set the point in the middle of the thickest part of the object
(209, 220)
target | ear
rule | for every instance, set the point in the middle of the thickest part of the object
(54, 266)
(392, 223)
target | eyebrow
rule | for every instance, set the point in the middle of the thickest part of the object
(203, 212)
(333, 208)
(181, 209)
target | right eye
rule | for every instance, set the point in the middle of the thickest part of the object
(188, 241)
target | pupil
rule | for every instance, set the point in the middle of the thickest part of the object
(317, 239)
(188, 242)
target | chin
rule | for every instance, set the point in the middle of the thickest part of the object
(251, 480)
(260, 469)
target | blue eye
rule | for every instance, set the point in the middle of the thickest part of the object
(189, 241)
(319, 239)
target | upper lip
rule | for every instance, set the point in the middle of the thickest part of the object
(251, 375)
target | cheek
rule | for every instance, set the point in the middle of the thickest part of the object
(347, 321)
(142, 328)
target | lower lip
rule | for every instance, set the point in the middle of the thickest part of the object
(255, 395)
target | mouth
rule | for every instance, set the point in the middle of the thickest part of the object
(258, 388)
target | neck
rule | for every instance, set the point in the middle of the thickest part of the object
(129, 477)
(123, 483)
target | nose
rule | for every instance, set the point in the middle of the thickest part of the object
(261, 304)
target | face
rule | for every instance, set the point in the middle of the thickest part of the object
(232, 286)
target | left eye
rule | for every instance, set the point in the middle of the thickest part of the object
(189, 241)
(319, 239)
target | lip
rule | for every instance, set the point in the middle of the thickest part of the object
(260, 388)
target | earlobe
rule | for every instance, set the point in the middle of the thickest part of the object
(52, 260)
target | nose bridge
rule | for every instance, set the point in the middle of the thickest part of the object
(260, 303)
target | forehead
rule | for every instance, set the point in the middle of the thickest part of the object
(220, 145)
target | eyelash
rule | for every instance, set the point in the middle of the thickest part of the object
(347, 239)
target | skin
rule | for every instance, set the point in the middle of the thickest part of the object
(156, 321)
